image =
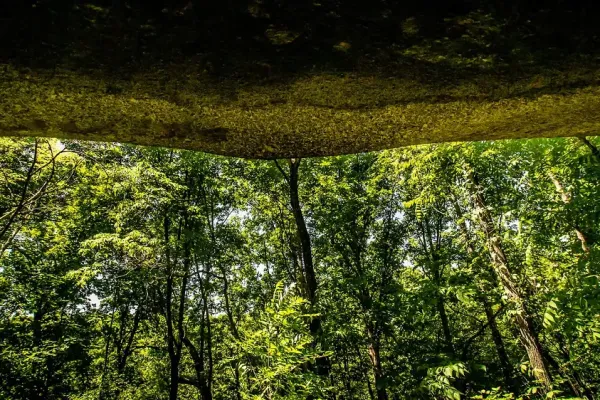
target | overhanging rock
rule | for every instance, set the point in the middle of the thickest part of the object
(314, 114)
(264, 79)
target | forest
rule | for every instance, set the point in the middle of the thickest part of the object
(324, 209)
(444, 271)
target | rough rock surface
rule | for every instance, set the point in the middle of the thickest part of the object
(295, 78)
(313, 115)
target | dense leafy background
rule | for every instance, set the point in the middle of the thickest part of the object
(150, 273)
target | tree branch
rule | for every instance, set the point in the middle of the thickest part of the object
(285, 176)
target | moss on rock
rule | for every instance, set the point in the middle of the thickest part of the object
(311, 115)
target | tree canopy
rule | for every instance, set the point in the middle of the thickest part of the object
(448, 271)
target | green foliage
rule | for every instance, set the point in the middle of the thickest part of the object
(438, 382)
(125, 272)
(278, 338)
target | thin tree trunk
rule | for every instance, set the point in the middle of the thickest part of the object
(436, 277)
(197, 355)
(566, 199)
(123, 354)
(370, 388)
(236, 375)
(101, 393)
(181, 308)
(174, 347)
(234, 332)
(574, 385)
(375, 357)
(347, 379)
(507, 369)
(206, 344)
(322, 363)
(200, 383)
(21, 202)
(203, 371)
(366, 301)
(577, 384)
(228, 311)
(207, 392)
(307, 259)
(127, 351)
(590, 145)
(522, 317)
(441, 307)
(498, 343)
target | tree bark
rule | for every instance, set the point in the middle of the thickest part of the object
(566, 199)
(200, 382)
(575, 385)
(322, 363)
(370, 388)
(174, 346)
(347, 384)
(228, 311)
(304, 236)
(441, 307)
(375, 357)
(127, 351)
(498, 343)
(207, 388)
(436, 275)
(501, 266)
(507, 369)
(21, 202)
(234, 332)
(590, 145)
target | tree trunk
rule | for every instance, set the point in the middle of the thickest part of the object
(234, 332)
(207, 387)
(101, 393)
(127, 351)
(322, 363)
(376, 363)
(566, 199)
(441, 307)
(174, 346)
(347, 384)
(236, 375)
(593, 149)
(23, 196)
(498, 343)
(522, 318)
(307, 259)
(578, 388)
(489, 314)
(197, 359)
(370, 388)
(436, 272)
(377, 371)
